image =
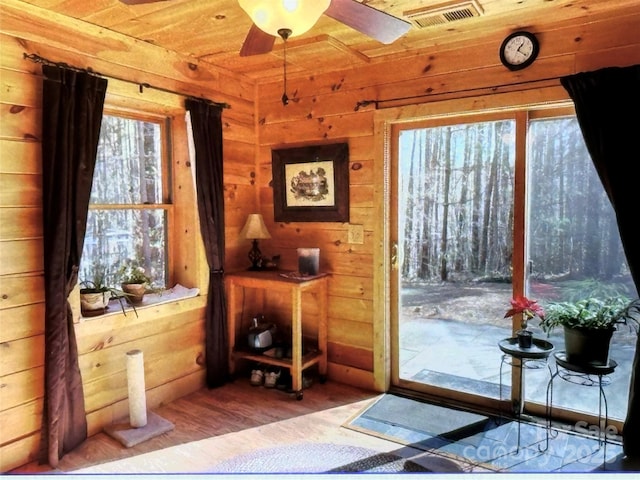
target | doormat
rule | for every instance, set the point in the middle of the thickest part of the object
(420, 424)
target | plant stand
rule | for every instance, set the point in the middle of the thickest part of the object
(533, 357)
(582, 374)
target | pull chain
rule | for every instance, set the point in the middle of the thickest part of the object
(284, 33)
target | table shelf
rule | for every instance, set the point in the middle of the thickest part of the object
(275, 281)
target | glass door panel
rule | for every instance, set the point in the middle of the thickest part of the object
(455, 245)
(574, 251)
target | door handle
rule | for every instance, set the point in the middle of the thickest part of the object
(394, 256)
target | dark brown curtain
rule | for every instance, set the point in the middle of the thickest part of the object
(607, 105)
(72, 104)
(206, 122)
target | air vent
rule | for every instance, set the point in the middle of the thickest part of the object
(443, 13)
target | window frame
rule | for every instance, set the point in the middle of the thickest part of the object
(167, 204)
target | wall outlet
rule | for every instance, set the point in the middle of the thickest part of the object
(356, 234)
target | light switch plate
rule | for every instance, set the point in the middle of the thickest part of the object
(356, 234)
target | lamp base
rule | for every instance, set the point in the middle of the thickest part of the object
(255, 256)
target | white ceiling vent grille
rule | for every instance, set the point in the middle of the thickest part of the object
(444, 13)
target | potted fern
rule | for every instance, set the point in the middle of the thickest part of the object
(589, 324)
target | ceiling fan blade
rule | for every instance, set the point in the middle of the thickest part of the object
(257, 42)
(140, 2)
(377, 24)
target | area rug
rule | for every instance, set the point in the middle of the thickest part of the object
(317, 458)
(312, 443)
(409, 421)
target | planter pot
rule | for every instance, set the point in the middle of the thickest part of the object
(94, 303)
(587, 346)
(525, 338)
(134, 291)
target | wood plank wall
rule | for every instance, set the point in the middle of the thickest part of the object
(461, 77)
(171, 336)
(322, 110)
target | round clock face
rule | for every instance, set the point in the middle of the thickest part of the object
(519, 50)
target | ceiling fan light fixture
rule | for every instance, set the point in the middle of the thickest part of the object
(296, 15)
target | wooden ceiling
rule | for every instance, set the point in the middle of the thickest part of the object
(213, 31)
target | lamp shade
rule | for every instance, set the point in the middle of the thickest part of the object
(296, 15)
(254, 228)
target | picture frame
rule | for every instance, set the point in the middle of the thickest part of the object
(311, 183)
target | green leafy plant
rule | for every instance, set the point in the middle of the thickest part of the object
(592, 313)
(132, 272)
(99, 284)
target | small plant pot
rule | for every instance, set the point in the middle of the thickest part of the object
(94, 303)
(525, 338)
(134, 292)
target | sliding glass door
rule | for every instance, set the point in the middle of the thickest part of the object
(488, 207)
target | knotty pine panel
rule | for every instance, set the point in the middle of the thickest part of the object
(22, 354)
(351, 287)
(23, 450)
(20, 290)
(20, 123)
(110, 330)
(20, 223)
(22, 387)
(104, 372)
(19, 89)
(352, 309)
(22, 322)
(350, 333)
(16, 421)
(329, 129)
(21, 256)
(20, 190)
(20, 157)
(361, 358)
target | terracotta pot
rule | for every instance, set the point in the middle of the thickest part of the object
(134, 291)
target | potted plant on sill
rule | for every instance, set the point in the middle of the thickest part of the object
(95, 295)
(589, 324)
(133, 281)
(527, 309)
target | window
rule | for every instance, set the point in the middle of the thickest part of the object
(129, 209)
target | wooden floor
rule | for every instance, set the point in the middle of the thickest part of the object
(207, 413)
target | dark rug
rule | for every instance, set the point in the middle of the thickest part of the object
(317, 458)
(399, 418)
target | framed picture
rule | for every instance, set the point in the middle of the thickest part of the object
(311, 184)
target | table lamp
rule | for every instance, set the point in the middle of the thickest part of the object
(254, 230)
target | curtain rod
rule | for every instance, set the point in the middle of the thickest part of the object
(38, 59)
(465, 93)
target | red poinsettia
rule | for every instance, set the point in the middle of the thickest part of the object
(528, 309)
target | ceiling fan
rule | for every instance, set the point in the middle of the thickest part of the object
(361, 17)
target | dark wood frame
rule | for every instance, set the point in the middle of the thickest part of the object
(338, 154)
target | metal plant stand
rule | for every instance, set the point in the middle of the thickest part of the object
(533, 357)
(585, 375)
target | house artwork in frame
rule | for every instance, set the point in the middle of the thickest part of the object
(311, 184)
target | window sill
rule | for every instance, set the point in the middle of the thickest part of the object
(170, 295)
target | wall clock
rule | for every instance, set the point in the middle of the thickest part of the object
(519, 50)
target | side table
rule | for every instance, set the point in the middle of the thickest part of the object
(533, 357)
(583, 374)
(268, 282)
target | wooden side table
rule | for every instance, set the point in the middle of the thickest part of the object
(275, 281)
